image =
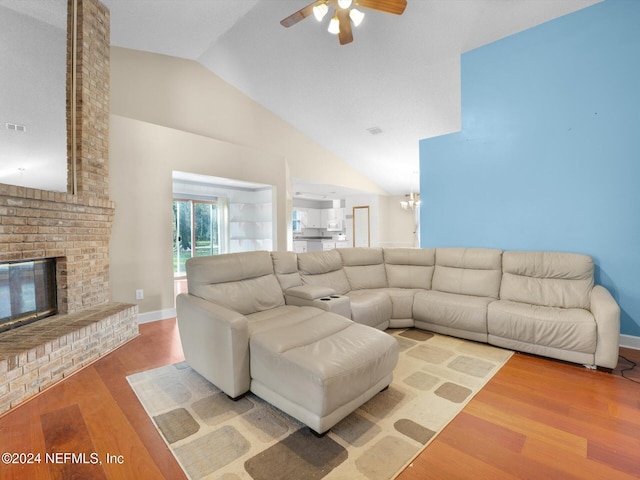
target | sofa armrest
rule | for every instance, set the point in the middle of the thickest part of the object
(309, 292)
(607, 315)
(215, 342)
(324, 298)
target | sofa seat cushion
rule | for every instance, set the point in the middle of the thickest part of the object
(322, 363)
(280, 317)
(461, 312)
(371, 307)
(401, 301)
(571, 329)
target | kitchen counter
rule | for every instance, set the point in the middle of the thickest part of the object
(316, 244)
(313, 238)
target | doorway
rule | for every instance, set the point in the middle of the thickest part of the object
(196, 231)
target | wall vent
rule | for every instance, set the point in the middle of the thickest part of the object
(16, 127)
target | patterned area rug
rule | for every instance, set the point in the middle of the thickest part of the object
(213, 437)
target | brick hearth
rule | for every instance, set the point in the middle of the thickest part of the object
(36, 356)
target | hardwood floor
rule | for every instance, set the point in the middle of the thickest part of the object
(543, 419)
(537, 419)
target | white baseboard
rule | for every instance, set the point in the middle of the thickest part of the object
(630, 341)
(156, 315)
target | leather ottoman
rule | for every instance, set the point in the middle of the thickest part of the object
(321, 369)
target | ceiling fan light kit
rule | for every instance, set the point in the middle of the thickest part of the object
(344, 14)
(319, 11)
(356, 16)
(334, 25)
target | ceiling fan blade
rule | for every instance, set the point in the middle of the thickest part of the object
(388, 6)
(300, 14)
(345, 35)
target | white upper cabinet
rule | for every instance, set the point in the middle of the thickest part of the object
(332, 219)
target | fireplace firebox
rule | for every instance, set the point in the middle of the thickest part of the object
(28, 292)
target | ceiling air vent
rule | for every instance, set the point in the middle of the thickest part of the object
(16, 127)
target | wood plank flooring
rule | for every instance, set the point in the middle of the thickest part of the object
(536, 419)
(541, 419)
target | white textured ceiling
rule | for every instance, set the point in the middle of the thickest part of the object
(52, 12)
(400, 74)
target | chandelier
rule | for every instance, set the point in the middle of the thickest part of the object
(413, 201)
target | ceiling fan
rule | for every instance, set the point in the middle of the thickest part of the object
(344, 14)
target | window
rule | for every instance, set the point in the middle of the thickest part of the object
(196, 231)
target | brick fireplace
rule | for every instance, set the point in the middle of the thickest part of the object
(74, 228)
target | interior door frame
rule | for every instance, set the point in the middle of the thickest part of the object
(361, 223)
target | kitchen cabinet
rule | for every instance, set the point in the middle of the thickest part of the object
(332, 219)
(328, 246)
(299, 246)
(313, 218)
(305, 218)
(324, 217)
(314, 246)
(317, 245)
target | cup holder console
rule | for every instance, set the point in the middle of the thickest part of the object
(328, 299)
(339, 304)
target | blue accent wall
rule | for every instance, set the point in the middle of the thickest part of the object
(548, 157)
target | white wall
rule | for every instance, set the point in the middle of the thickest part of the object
(172, 114)
(143, 157)
(397, 226)
(183, 95)
(33, 94)
(371, 201)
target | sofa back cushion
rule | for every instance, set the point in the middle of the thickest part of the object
(243, 282)
(468, 271)
(409, 267)
(285, 266)
(553, 279)
(364, 267)
(325, 269)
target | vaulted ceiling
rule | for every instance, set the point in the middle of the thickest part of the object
(400, 76)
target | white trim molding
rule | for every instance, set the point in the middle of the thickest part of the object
(156, 315)
(630, 341)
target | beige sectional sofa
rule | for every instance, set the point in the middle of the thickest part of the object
(543, 303)
(237, 332)
(253, 320)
